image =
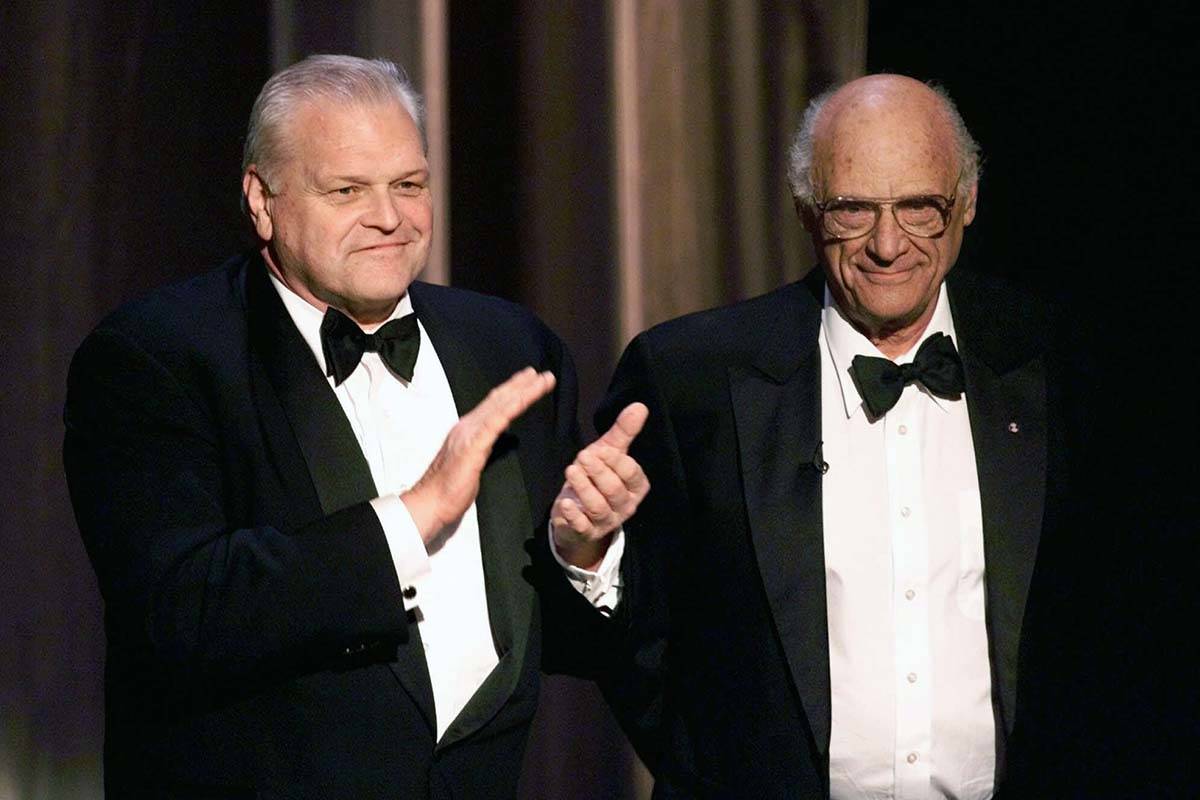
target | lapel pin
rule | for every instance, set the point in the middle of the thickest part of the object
(1013, 427)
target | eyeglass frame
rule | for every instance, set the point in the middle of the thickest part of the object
(879, 203)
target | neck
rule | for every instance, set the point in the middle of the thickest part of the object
(892, 336)
(896, 343)
(368, 317)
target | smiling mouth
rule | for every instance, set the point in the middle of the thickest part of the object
(382, 246)
(888, 275)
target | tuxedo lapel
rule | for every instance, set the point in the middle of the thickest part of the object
(299, 412)
(505, 522)
(339, 472)
(776, 405)
(1006, 401)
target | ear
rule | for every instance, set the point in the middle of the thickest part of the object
(968, 213)
(256, 195)
(807, 215)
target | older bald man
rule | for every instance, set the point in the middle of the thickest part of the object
(823, 594)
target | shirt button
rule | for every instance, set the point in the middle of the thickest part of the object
(912, 677)
(912, 758)
(910, 594)
(904, 512)
(903, 429)
(408, 592)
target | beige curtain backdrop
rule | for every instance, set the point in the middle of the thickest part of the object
(652, 138)
(707, 96)
(702, 97)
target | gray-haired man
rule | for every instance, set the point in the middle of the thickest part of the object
(306, 483)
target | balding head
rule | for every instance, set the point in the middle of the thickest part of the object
(873, 99)
(885, 177)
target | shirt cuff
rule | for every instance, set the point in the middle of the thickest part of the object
(601, 588)
(409, 556)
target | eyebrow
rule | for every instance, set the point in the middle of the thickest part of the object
(362, 179)
(905, 196)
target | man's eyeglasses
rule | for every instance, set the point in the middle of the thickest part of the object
(924, 215)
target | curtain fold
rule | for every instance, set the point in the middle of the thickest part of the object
(713, 93)
(122, 133)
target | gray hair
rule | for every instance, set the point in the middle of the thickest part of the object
(342, 79)
(800, 155)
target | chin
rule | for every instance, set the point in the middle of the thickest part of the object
(892, 316)
(383, 295)
(376, 289)
(385, 278)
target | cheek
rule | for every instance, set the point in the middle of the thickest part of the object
(841, 257)
(420, 214)
(939, 255)
(334, 234)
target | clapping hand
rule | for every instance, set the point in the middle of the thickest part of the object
(449, 486)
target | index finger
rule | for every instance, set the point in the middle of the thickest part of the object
(510, 399)
(628, 425)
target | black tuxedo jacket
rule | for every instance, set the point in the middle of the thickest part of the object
(257, 640)
(720, 670)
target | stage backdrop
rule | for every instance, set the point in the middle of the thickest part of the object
(608, 164)
(611, 164)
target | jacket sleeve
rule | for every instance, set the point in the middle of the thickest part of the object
(210, 598)
(628, 654)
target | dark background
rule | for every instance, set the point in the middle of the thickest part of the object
(1086, 120)
(120, 138)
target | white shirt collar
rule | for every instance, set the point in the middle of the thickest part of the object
(844, 342)
(308, 317)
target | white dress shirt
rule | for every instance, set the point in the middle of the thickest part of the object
(904, 568)
(602, 588)
(400, 427)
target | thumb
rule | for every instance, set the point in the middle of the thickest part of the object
(628, 424)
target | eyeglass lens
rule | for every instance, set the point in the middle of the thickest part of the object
(920, 216)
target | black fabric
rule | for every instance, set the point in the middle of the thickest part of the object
(257, 639)
(736, 508)
(937, 366)
(344, 343)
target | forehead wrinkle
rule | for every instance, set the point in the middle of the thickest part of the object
(342, 128)
(893, 135)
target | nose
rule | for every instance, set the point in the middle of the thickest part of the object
(382, 212)
(888, 241)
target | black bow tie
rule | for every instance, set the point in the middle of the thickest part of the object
(344, 343)
(937, 367)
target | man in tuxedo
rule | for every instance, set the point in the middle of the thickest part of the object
(306, 483)
(823, 593)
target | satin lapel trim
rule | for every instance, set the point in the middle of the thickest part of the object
(505, 523)
(339, 474)
(339, 471)
(282, 448)
(1008, 428)
(778, 429)
(504, 513)
(1007, 402)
